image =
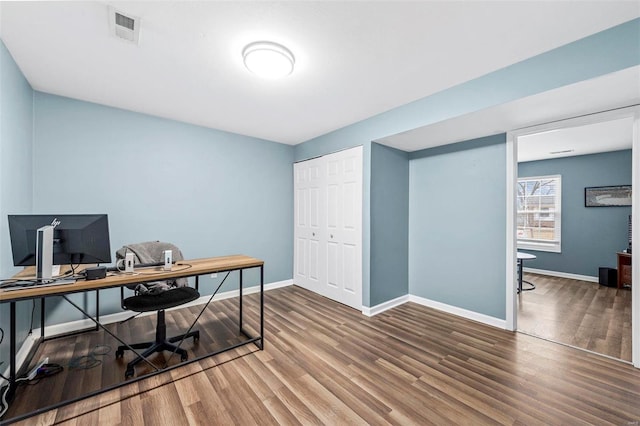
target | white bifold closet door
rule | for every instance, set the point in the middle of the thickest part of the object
(328, 226)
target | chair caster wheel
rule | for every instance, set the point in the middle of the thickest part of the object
(196, 337)
(129, 373)
(119, 353)
(184, 357)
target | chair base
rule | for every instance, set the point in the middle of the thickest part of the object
(161, 344)
(153, 347)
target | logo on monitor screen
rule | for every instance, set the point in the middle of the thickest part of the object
(55, 222)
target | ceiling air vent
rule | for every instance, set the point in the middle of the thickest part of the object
(125, 27)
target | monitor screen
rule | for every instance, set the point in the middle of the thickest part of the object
(77, 238)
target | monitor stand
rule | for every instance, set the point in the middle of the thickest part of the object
(44, 254)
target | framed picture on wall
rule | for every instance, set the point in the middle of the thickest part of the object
(607, 196)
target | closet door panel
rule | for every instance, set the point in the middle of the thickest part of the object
(301, 254)
(309, 199)
(344, 223)
(350, 257)
(333, 266)
(300, 174)
(317, 198)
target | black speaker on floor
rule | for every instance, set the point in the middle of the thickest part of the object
(608, 277)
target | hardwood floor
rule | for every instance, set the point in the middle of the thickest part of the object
(325, 363)
(578, 313)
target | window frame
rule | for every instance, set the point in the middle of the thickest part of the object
(537, 244)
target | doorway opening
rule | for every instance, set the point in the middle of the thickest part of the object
(568, 249)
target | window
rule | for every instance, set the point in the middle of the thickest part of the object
(539, 213)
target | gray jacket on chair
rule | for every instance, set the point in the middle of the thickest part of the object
(150, 252)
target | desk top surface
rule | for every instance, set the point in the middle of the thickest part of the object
(184, 268)
(526, 256)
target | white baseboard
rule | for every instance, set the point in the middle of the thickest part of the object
(375, 310)
(474, 316)
(235, 293)
(71, 326)
(562, 275)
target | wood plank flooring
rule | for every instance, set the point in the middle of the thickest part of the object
(578, 313)
(325, 363)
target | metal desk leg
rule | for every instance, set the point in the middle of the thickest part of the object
(520, 280)
(42, 315)
(12, 352)
(97, 309)
(240, 307)
(261, 307)
(519, 275)
(533, 286)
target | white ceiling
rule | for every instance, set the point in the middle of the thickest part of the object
(353, 59)
(593, 138)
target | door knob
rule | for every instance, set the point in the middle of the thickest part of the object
(313, 233)
(331, 235)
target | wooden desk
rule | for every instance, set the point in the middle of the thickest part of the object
(182, 269)
(185, 268)
(624, 269)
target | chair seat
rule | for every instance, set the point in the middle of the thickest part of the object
(164, 300)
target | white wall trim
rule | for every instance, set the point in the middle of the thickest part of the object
(511, 246)
(474, 316)
(454, 310)
(562, 275)
(375, 310)
(635, 237)
(71, 326)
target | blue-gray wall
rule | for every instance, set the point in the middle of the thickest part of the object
(611, 50)
(16, 124)
(591, 236)
(209, 192)
(457, 224)
(389, 224)
(16, 137)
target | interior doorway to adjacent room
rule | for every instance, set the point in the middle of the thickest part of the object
(571, 241)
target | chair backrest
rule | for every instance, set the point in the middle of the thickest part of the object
(150, 252)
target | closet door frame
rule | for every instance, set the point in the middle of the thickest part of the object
(328, 226)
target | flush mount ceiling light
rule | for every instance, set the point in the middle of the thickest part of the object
(267, 59)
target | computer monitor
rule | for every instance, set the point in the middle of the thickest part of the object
(77, 238)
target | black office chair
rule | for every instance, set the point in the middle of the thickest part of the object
(156, 296)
